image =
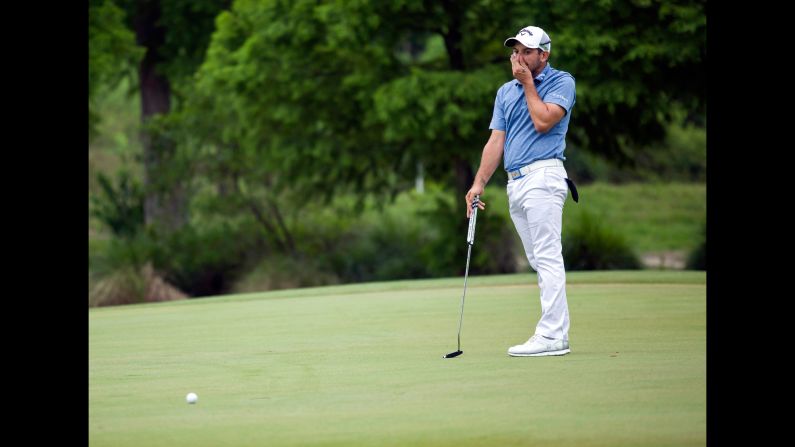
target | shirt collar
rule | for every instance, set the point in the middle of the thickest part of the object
(540, 78)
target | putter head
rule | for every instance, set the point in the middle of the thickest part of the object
(453, 354)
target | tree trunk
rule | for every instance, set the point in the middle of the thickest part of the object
(452, 34)
(452, 42)
(165, 204)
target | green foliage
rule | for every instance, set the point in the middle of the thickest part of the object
(203, 261)
(119, 204)
(295, 103)
(383, 241)
(636, 64)
(373, 251)
(697, 259)
(189, 25)
(414, 237)
(112, 53)
(427, 113)
(120, 254)
(651, 216)
(173, 36)
(494, 250)
(186, 25)
(199, 261)
(169, 165)
(118, 131)
(346, 97)
(291, 83)
(362, 90)
(116, 147)
(587, 167)
(283, 272)
(417, 235)
(680, 157)
(589, 245)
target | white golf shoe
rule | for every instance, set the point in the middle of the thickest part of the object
(538, 346)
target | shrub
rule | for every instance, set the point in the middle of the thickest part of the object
(131, 285)
(445, 254)
(416, 236)
(204, 261)
(379, 244)
(120, 203)
(198, 261)
(588, 245)
(283, 272)
(697, 260)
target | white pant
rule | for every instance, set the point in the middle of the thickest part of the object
(536, 206)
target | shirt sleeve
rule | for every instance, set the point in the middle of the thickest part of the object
(562, 93)
(498, 116)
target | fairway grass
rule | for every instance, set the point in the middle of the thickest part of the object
(362, 365)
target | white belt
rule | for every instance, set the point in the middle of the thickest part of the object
(524, 170)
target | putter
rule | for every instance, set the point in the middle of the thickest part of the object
(470, 240)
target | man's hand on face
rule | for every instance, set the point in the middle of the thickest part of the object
(520, 71)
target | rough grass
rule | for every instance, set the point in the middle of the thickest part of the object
(652, 216)
(661, 222)
(362, 365)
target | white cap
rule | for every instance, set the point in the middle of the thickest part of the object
(531, 37)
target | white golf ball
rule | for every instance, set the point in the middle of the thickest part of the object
(191, 398)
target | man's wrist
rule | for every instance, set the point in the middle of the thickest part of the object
(529, 85)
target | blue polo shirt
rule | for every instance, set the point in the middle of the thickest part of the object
(523, 143)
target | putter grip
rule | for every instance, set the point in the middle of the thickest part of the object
(472, 218)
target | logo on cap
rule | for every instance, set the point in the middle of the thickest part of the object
(524, 31)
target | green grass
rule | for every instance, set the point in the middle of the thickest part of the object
(652, 216)
(361, 365)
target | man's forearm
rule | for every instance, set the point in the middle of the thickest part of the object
(489, 161)
(542, 117)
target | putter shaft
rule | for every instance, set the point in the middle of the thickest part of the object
(470, 241)
(463, 297)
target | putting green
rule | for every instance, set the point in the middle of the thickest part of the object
(362, 365)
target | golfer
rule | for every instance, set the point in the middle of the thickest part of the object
(528, 130)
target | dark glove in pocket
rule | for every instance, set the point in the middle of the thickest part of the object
(573, 189)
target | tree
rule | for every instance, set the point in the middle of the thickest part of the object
(174, 35)
(637, 63)
(330, 98)
(362, 90)
(112, 53)
(293, 102)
